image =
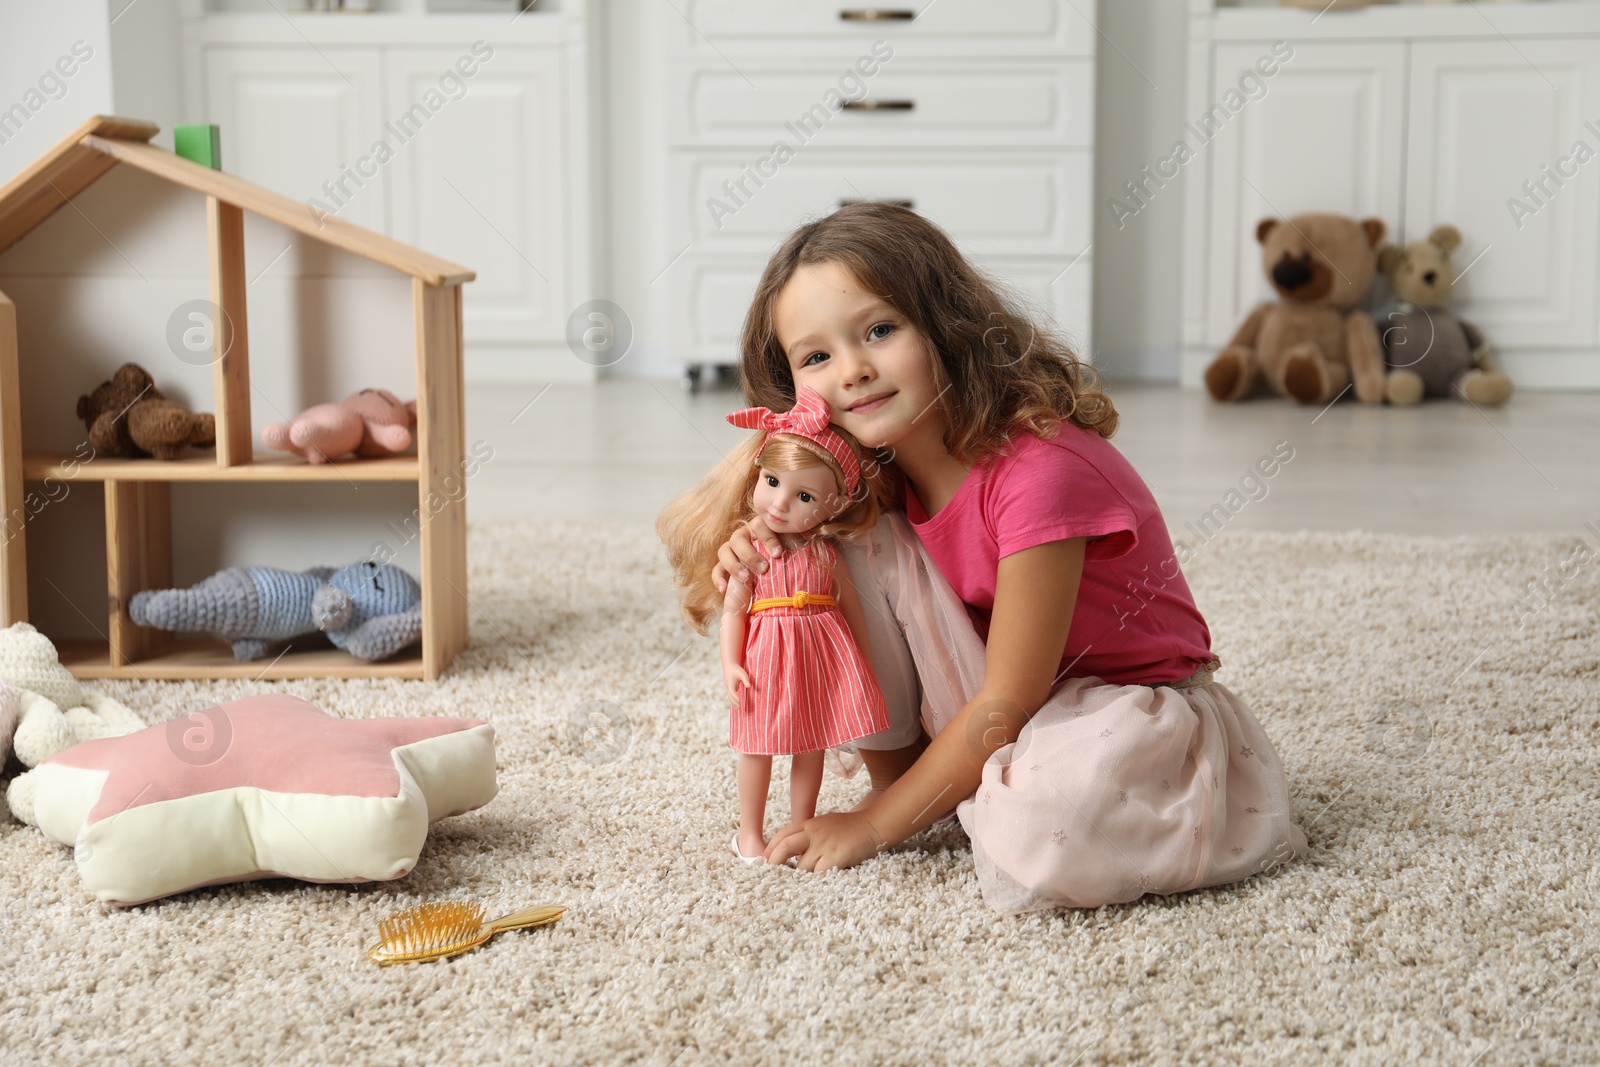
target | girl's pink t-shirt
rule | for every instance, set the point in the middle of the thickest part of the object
(1135, 621)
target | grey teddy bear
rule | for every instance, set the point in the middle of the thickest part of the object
(371, 610)
(1428, 351)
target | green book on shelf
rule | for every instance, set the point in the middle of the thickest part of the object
(200, 142)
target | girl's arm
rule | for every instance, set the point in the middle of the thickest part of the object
(1034, 596)
(739, 557)
(735, 604)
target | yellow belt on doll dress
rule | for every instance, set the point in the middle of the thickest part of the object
(799, 600)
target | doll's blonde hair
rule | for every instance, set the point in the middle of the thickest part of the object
(696, 524)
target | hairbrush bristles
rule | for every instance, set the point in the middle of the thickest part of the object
(429, 931)
(447, 928)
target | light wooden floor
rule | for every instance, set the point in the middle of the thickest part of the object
(621, 449)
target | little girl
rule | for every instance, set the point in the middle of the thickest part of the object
(1024, 604)
(799, 684)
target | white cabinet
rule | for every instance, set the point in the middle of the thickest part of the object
(1417, 114)
(1324, 136)
(979, 116)
(1494, 132)
(484, 185)
(487, 151)
(293, 118)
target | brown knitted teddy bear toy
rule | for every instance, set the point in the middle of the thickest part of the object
(128, 416)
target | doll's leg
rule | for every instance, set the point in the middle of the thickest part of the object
(755, 775)
(805, 783)
(889, 752)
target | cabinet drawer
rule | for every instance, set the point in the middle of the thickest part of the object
(1019, 104)
(991, 203)
(710, 296)
(926, 27)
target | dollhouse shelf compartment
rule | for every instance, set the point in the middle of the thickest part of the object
(192, 659)
(138, 509)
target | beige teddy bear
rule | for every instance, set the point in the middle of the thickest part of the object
(54, 711)
(1314, 342)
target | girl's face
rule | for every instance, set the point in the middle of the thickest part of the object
(871, 365)
(795, 501)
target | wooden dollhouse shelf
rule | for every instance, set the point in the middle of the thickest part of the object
(138, 496)
(202, 467)
(187, 659)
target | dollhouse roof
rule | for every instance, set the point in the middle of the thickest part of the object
(78, 160)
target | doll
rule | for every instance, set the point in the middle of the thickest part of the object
(793, 640)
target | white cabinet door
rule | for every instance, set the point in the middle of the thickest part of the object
(480, 181)
(299, 121)
(1499, 147)
(1323, 135)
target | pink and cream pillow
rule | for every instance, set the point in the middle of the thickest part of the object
(264, 787)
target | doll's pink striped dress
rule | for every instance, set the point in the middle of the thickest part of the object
(811, 688)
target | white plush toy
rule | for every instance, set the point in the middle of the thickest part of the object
(54, 712)
(8, 720)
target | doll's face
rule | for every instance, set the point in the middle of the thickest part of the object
(795, 501)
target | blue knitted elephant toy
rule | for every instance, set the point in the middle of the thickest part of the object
(371, 610)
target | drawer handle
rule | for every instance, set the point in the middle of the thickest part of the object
(877, 14)
(879, 105)
(907, 204)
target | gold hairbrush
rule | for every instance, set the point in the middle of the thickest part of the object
(447, 928)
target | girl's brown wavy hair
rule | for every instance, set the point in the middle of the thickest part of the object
(998, 371)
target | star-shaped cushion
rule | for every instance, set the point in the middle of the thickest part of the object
(265, 787)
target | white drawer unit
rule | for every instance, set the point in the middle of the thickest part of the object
(784, 112)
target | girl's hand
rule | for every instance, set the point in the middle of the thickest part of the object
(842, 839)
(740, 556)
(732, 677)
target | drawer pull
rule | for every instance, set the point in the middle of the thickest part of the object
(879, 105)
(877, 14)
(907, 204)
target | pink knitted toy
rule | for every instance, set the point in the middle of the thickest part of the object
(373, 422)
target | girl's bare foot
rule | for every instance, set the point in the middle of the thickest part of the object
(751, 843)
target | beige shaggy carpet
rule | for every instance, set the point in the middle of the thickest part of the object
(1441, 750)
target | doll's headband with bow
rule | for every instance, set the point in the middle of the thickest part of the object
(809, 419)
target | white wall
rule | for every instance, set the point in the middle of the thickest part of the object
(39, 103)
(1139, 113)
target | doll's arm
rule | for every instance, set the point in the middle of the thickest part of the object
(731, 636)
(850, 606)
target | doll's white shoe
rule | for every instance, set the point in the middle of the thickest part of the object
(734, 844)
